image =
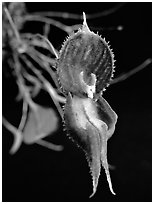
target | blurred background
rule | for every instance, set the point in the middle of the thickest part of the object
(35, 173)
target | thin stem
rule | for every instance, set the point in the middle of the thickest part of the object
(35, 81)
(111, 28)
(46, 85)
(9, 126)
(24, 116)
(34, 41)
(66, 15)
(49, 145)
(46, 30)
(20, 82)
(12, 25)
(35, 55)
(52, 49)
(54, 93)
(122, 77)
(55, 23)
(18, 137)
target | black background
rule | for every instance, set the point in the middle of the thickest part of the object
(35, 173)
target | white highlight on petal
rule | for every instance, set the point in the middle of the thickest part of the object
(85, 27)
(90, 90)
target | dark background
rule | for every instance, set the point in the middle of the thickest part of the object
(35, 173)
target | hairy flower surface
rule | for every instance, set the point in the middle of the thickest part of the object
(85, 67)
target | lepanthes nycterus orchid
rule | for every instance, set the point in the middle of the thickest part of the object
(85, 66)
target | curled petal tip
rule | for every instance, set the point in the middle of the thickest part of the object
(95, 183)
(109, 182)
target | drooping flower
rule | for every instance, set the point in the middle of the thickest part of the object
(85, 67)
